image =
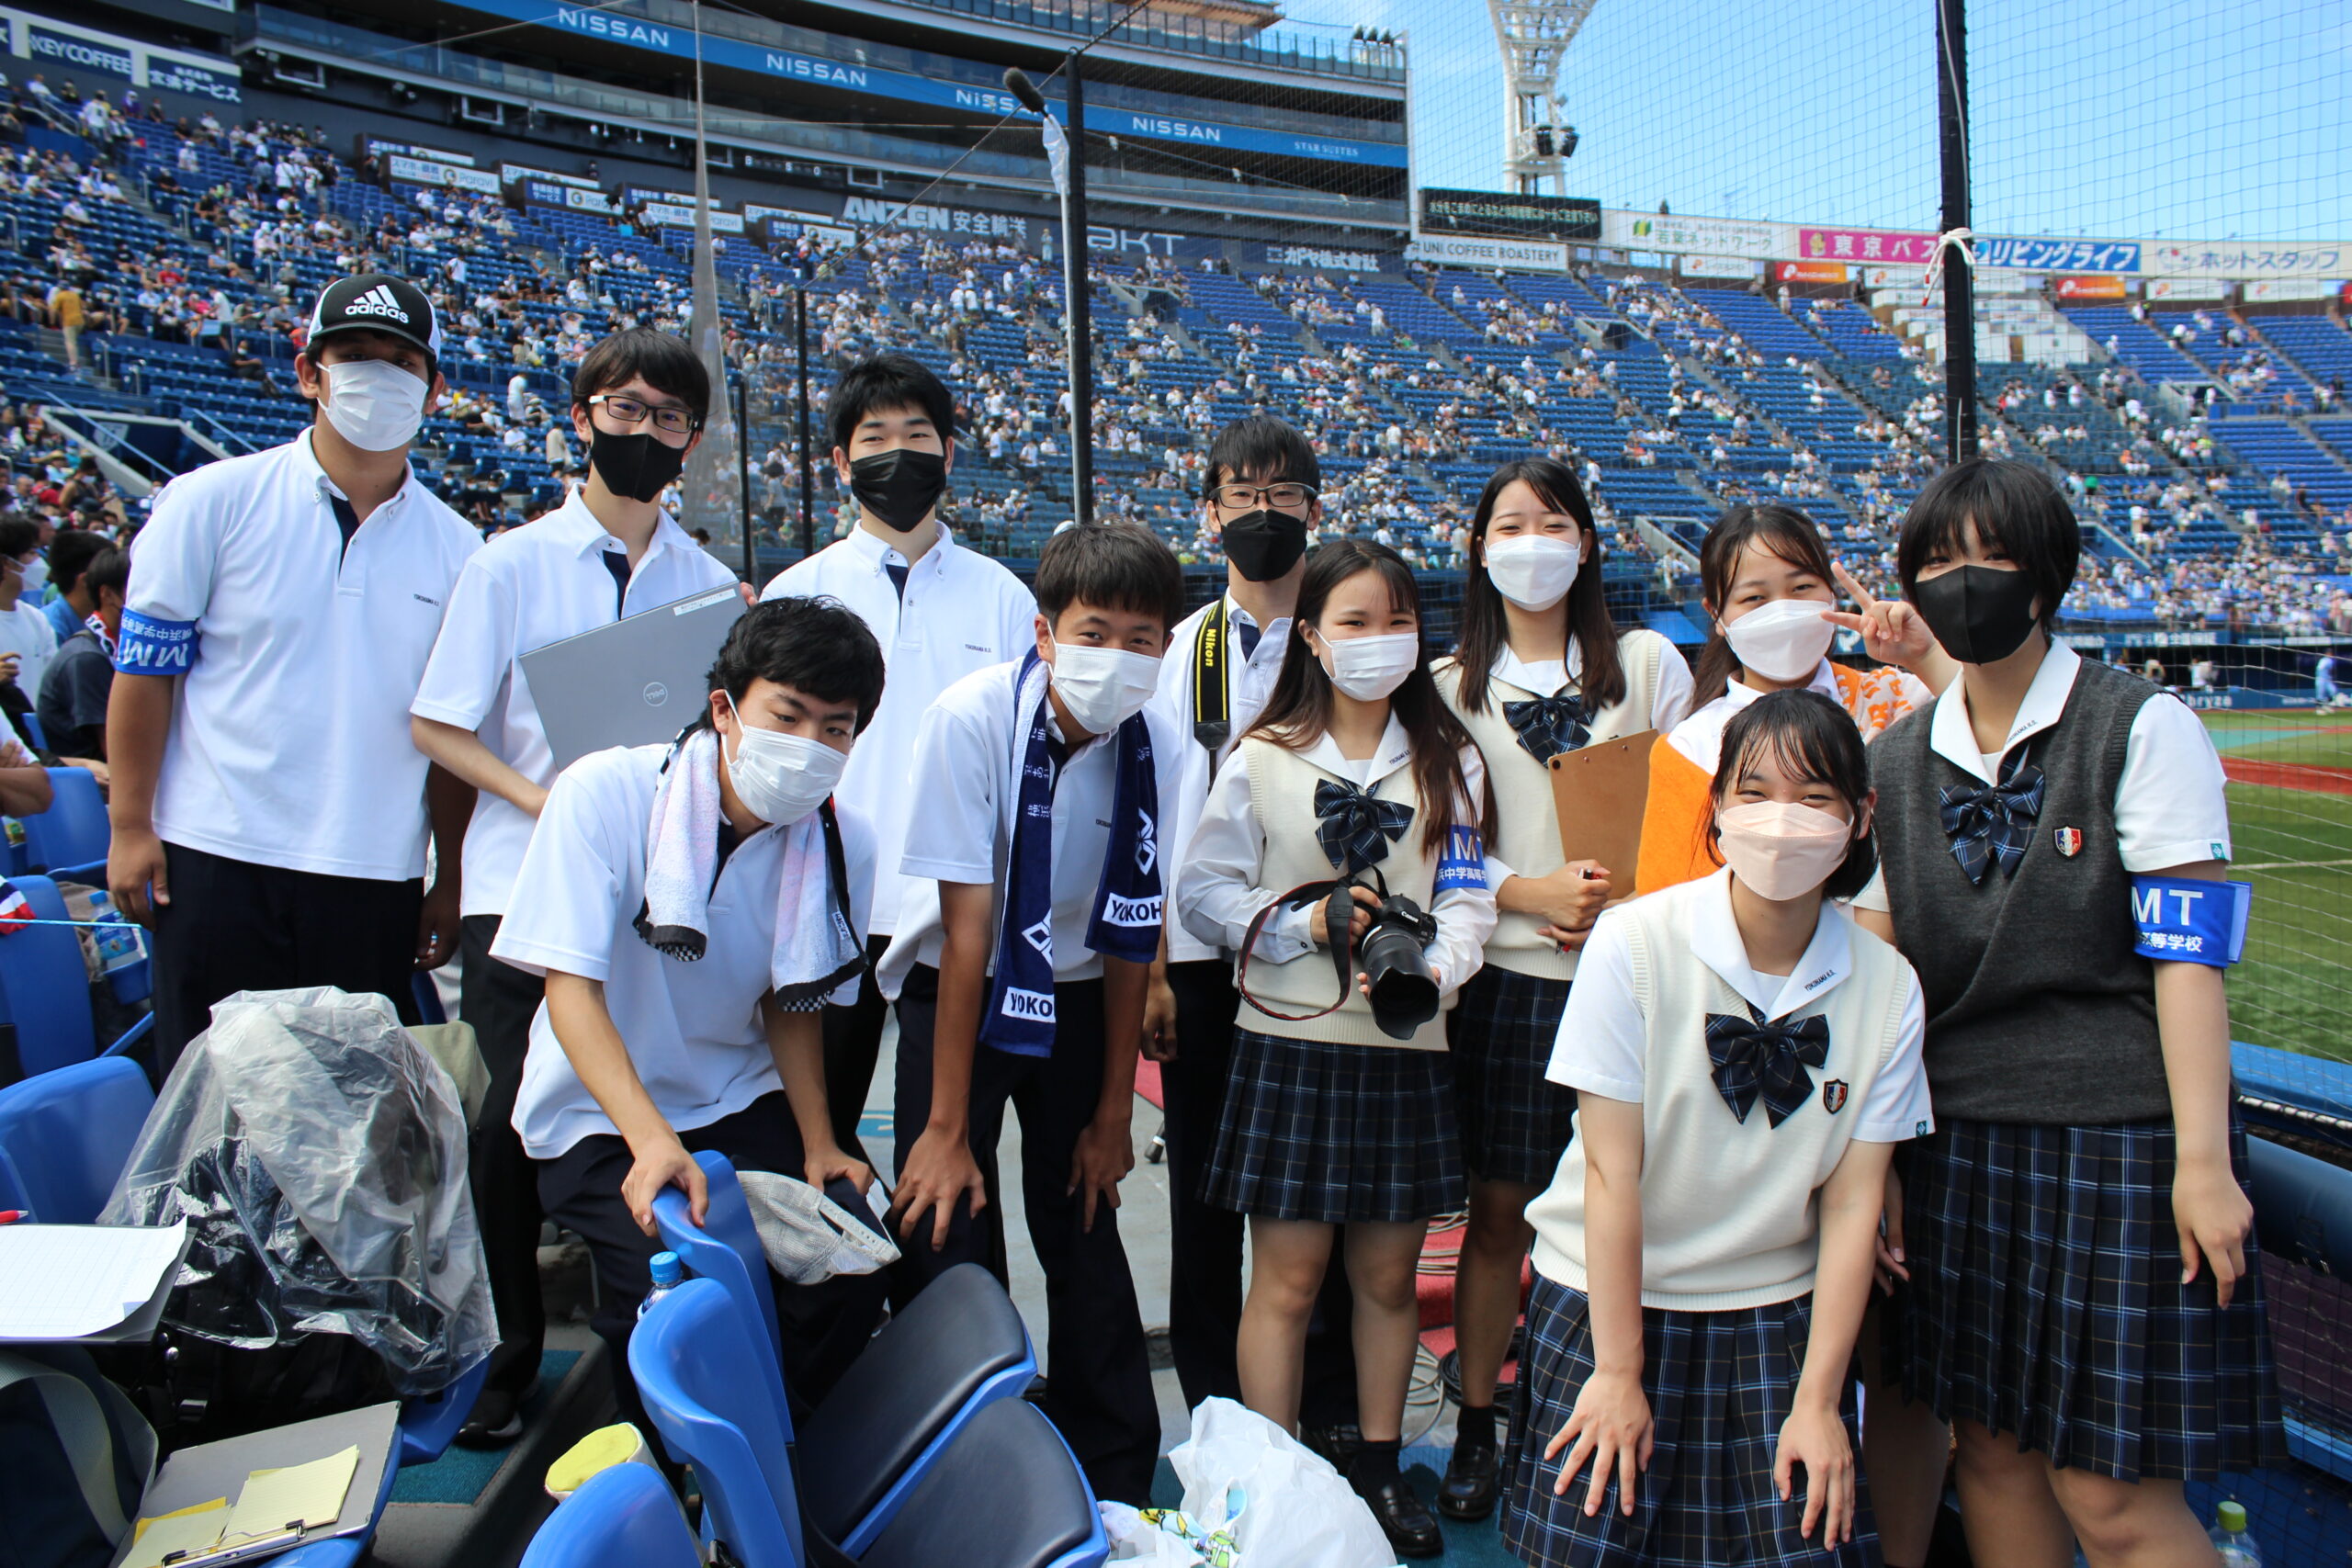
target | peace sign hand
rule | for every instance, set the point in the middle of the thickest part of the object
(1892, 630)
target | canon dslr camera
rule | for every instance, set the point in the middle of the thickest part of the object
(1392, 956)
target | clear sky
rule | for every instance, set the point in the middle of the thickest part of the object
(2125, 118)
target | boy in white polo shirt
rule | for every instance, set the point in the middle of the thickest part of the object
(282, 608)
(691, 905)
(638, 400)
(941, 612)
(1025, 952)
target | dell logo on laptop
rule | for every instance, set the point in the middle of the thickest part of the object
(656, 694)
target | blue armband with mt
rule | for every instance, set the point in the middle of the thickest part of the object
(2181, 919)
(1464, 864)
(148, 646)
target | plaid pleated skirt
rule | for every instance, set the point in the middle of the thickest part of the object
(2046, 1303)
(1515, 1121)
(1721, 1386)
(1315, 1131)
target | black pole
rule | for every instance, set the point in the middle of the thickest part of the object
(744, 464)
(1080, 313)
(1960, 287)
(808, 464)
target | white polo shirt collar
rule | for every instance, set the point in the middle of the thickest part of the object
(878, 554)
(307, 461)
(1700, 737)
(575, 524)
(1715, 941)
(1952, 738)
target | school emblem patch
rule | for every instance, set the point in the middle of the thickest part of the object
(2068, 840)
(1833, 1096)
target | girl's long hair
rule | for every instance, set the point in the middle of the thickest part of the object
(1486, 623)
(1299, 711)
(1786, 533)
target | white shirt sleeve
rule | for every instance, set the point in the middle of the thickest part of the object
(953, 837)
(472, 657)
(1602, 1043)
(1670, 702)
(1218, 893)
(2169, 805)
(1465, 916)
(1897, 1108)
(564, 909)
(172, 560)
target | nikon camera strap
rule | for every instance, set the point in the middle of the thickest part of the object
(1212, 692)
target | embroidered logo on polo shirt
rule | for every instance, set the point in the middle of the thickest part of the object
(1833, 1096)
(2068, 840)
(1918, 1129)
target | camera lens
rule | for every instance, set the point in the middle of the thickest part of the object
(1404, 992)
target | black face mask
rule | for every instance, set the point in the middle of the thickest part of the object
(1265, 543)
(1981, 613)
(638, 467)
(900, 487)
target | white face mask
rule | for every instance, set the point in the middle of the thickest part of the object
(1781, 850)
(1532, 570)
(375, 404)
(781, 778)
(1102, 687)
(1369, 668)
(1784, 641)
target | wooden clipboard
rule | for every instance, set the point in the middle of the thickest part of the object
(1599, 791)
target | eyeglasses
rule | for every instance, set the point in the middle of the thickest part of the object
(629, 411)
(1241, 498)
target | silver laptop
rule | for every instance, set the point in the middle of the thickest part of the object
(633, 683)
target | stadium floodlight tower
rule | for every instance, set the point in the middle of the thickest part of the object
(1535, 34)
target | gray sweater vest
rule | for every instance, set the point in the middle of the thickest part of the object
(2037, 1008)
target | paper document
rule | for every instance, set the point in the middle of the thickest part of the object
(63, 1281)
(306, 1495)
(193, 1531)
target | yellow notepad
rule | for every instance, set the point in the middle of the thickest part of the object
(311, 1494)
(194, 1530)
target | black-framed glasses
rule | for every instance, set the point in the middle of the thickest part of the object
(629, 410)
(1241, 498)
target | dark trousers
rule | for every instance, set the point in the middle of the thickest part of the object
(1098, 1370)
(825, 1325)
(233, 926)
(853, 1043)
(500, 1000)
(1204, 1242)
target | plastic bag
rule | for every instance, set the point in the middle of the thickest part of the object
(1153, 1537)
(1284, 1504)
(318, 1153)
(806, 1236)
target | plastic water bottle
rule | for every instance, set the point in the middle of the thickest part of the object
(118, 939)
(2230, 1538)
(669, 1274)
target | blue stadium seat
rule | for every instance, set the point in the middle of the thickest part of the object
(958, 1348)
(69, 839)
(45, 989)
(65, 1136)
(623, 1517)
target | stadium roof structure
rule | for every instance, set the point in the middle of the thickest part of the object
(1535, 34)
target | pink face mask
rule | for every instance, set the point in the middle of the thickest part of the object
(1781, 850)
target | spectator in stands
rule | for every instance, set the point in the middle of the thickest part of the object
(941, 613)
(65, 313)
(70, 554)
(72, 703)
(638, 400)
(27, 639)
(660, 900)
(270, 812)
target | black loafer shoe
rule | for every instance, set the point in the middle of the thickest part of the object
(1409, 1525)
(1335, 1440)
(495, 1421)
(1468, 1490)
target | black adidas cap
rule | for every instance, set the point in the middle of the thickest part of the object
(377, 302)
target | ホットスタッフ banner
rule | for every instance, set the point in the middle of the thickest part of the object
(1497, 212)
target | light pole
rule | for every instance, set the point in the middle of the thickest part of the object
(1069, 161)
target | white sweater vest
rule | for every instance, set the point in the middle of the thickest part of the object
(1730, 1212)
(1282, 794)
(1529, 839)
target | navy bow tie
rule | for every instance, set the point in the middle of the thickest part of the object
(1356, 829)
(1754, 1057)
(1995, 822)
(1548, 726)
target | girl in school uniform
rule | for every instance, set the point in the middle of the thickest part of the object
(1745, 1060)
(1333, 1131)
(1540, 669)
(1772, 589)
(2085, 1300)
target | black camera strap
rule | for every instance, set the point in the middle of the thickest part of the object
(1339, 900)
(1212, 696)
